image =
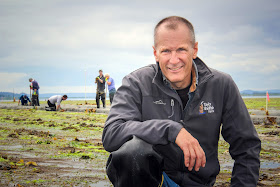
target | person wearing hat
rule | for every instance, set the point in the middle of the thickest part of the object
(24, 99)
(111, 86)
(100, 93)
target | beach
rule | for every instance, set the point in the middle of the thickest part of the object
(46, 148)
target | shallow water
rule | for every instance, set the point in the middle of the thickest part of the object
(270, 165)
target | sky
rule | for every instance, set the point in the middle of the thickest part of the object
(63, 43)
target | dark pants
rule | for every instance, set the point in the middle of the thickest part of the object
(111, 95)
(35, 100)
(52, 106)
(102, 95)
(24, 102)
(135, 164)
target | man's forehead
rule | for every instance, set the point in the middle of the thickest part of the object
(168, 40)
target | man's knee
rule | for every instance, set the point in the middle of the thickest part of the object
(135, 164)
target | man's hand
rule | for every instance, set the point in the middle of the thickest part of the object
(193, 153)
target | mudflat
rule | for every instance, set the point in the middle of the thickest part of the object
(43, 148)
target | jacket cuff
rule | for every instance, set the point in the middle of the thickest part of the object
(174, 131)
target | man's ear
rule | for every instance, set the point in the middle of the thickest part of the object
(155, 53)
(195, 48)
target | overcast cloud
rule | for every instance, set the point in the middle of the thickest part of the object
(63, 44)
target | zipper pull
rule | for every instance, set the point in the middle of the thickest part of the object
(172, 108)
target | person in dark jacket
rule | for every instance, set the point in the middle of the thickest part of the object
(100, 90)
(24, 99)
(165, 124)
(35, 87)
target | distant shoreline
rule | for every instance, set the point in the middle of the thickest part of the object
(107, 98)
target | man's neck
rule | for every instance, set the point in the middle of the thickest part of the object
(181, 85)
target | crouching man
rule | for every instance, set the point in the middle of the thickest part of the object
(165, 124)
(55, 99)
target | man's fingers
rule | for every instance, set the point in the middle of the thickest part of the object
(187, 157)
(200, 159)
(193, 152)
(192, 158)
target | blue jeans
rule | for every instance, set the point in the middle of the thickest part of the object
(111, 95)
(167, 182)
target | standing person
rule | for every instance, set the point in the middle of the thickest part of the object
(24, 99)
(35, 87)
(165, 123)
(100, 91)
(111, 87)
(55, 99)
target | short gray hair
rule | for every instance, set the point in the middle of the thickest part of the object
(173, 23)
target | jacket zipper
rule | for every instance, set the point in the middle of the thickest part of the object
(172, 108)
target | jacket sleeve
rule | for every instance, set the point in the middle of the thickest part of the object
(239, 131)
(125, 119)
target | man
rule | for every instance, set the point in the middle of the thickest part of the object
(24, 100)
(35, 95)
(157, 119)
(100, 80)
(111, 87)
(55, 99)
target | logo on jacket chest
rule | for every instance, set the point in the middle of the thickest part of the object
(206, 107)
(159, 102)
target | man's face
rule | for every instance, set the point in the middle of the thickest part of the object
(100, 73)
(175, 52)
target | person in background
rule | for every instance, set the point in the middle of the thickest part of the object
(100, 91)
(55, 99)
(35, 87)
(24, 100)
(111, 87)
(167, 118)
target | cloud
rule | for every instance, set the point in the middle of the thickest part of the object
(263, 62)
(9, 81)
(54, 41)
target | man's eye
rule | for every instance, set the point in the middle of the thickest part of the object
(165, 51)
(181, 49)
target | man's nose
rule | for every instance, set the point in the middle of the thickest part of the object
(174, 57)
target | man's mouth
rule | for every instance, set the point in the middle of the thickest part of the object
(175, 68)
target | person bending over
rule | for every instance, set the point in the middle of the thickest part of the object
(55, 99)
(24, 99)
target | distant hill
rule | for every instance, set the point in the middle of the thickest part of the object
(10, 95)
(259, 93)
